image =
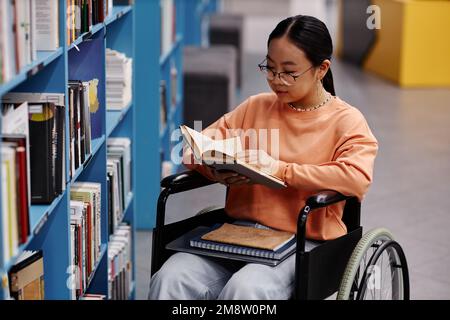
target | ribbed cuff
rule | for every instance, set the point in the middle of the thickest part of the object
(281, 170)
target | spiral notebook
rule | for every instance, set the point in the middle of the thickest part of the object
(247, 240)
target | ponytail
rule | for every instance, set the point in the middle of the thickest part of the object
(328, 83)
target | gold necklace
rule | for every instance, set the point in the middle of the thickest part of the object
(312, 108)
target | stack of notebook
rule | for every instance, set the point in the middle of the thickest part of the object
(241, 240)
(247, 240)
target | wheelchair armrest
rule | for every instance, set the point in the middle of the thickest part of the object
(319, 200)
(184, 181)
(325, 198)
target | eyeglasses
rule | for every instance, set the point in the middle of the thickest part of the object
(287, 78)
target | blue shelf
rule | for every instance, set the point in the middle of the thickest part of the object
(165, 57)
(44, 58)
(39, 214)
(114, 117)
(103, 249)
(127, 210)
(118, 12)
(132, 291)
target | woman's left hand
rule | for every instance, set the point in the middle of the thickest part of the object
(260, 159)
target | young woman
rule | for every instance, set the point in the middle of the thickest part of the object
(322, 142)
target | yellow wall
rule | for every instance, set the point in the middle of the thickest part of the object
(413, 45)
(384, 58)
(426, 49)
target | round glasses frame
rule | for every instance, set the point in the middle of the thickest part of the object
(287, 78)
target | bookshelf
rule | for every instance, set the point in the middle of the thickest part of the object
(50, 72)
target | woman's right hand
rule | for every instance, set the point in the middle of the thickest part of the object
(229, 178)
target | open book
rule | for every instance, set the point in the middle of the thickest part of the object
(221, 154)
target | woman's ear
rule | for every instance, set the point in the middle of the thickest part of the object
(323, 69)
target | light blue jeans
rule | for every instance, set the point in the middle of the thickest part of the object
(185, 276)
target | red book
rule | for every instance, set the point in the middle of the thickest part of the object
(23, 194)
(101, 10)
(22, 185)
(79, 254)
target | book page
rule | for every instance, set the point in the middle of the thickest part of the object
(198, 142)
(229, 147)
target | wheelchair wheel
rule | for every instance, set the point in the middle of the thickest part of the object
(377, 270)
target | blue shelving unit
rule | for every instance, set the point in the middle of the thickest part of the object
(50, 73)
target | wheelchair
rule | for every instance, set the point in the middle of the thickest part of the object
(358, 267)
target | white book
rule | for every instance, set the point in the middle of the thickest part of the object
(87, 117)
(115, 159)
(33, 43)
(9, 158)
(34, 97)
(117, 211)
(116, 145)
(167, 25)
(5, 209)
(47, 25)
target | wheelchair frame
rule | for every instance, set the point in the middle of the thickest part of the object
(318, 272)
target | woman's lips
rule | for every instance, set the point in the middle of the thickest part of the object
(280, 93)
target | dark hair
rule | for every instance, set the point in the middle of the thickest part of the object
(310, 35)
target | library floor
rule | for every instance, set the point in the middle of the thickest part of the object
(410, 193)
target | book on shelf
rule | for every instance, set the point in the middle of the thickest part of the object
(82, 15)
(173, 84)
(47, 24)
(26, 277)
(79, 218)
(118, 179)
(168, 25)
(15, 135)
(90, 194)
(26, 27)
(119, 75)
(121, 146)
(85, 234)
(46, 125)
(247, 240)
(222, 155)
(20, 175)
(80, 136)
(9, 212)
(120, 263)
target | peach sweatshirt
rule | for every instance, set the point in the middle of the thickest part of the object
(328, 148)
